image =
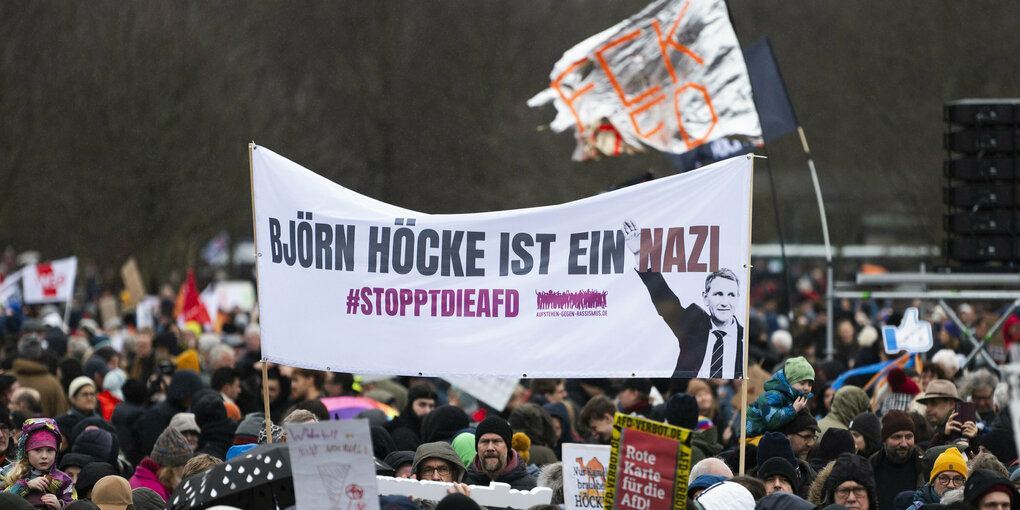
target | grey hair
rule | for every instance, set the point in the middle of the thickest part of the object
(1001, 395)
(976, 380)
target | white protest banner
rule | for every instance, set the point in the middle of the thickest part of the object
(50, 282)
(352, 284)
(332, 464)
(671, 77)
(584, 475)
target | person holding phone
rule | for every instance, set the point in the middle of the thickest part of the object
(940, 399)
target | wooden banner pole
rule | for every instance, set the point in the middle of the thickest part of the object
(747, 316)
(255, 234)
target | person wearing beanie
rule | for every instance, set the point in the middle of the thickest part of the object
(496, 460)
(401, 461)
(902, 391)
(949, 472)
(776, 444)
(185, 424)
(898, 463)
(90, 474)
(161, 470)
(848, 481)
(778, 475)
(35, 476)
(247, 431)
(987, 490)
(217, 429)
(72, 464)
(405, 429)
(802, 433)
(443, 423)
(867, 432)
(113, 493)
(786, 394)
(701, 483)
(82, 396)
(849, 401)
(112, 396)
(145, 498)
(833, 443)
(97, 443)
(682, 410)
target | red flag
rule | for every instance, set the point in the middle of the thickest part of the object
(188, 307)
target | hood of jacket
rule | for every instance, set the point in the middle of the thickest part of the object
(439, 450)
(783, 501)
(707, 440)
(848, 402)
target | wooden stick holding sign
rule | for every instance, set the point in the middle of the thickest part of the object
(747, 317)
(255, 233)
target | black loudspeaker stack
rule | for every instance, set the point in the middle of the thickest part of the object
(982, 184)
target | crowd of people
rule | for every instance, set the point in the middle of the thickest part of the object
(120, 415)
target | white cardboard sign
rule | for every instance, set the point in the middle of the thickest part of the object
(332, 465)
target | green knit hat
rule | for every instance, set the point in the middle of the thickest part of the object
(798, 369)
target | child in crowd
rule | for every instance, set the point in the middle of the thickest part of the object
(35, 476)
(785, 395)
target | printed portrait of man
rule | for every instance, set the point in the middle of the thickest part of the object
(712, 342)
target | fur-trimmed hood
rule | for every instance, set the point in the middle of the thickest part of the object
(847, 466)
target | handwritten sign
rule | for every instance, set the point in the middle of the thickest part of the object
(332, 465)
(584, 475)
(649, 463)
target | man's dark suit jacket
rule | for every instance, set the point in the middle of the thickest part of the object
(690, 325)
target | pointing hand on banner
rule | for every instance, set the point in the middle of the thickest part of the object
(633, 235)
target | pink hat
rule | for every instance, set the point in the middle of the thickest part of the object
(41, 439)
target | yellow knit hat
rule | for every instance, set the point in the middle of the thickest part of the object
(188, 360)
(950, 460)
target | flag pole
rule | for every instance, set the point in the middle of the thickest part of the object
(747, 316)
(829, 349)
(258, 303)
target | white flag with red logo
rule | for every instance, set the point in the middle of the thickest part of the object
(50, 282)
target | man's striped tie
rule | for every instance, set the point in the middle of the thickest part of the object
(717, 355)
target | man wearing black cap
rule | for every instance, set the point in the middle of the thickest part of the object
(898, 463)
(778, 475)
(802, 432)
(496, 461)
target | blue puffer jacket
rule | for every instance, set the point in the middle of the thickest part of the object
(774, 408)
